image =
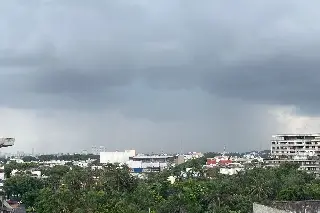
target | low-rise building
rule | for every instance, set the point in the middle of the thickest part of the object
(179, 159)
(192, 155)
(231, 169)
(149, 163)
(308, 206)
(218, 161)
(137, 163)
(116, 157)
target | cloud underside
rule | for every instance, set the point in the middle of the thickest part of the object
(202, 69)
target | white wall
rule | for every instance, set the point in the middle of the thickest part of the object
(37, 173)
(257, 208)
(230, 171)
(131, 152)
(134, 164)
(116, 157)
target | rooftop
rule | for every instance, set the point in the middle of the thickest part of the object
(293, 135)
(152, 156)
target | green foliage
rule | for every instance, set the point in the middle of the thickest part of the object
(74, 157)
(114, 190)
(29, 158)
(23, 187)
(12, 165)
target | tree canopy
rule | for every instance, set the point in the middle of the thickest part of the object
(113, 189)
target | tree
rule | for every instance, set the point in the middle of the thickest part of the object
(23, 187)
(113, 189)
(29, 158)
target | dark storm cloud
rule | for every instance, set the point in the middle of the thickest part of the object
(86, 52)
(279, 80)
(149, 74)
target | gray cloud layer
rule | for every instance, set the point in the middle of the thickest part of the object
(166, 61)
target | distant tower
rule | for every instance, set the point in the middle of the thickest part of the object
(224, 150)
(101, 149)
(94, 150)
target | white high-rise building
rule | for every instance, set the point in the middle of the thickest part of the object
(303, 149)
(97, 149)
(292, 145)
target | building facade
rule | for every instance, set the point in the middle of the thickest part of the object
(149, 163)
(116, 157)
(258, 208)
(137, 163)
(303, 149)
(97, 149)
(289, 146)
(308, 206)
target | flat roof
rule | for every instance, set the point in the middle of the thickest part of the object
(293, 135)
(152, 156)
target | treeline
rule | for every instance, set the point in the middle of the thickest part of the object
(50, 157)
(114, 190)
(73, 157)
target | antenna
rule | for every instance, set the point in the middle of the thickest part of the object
(224, 150)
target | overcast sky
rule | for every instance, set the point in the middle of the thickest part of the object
(165, 75)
